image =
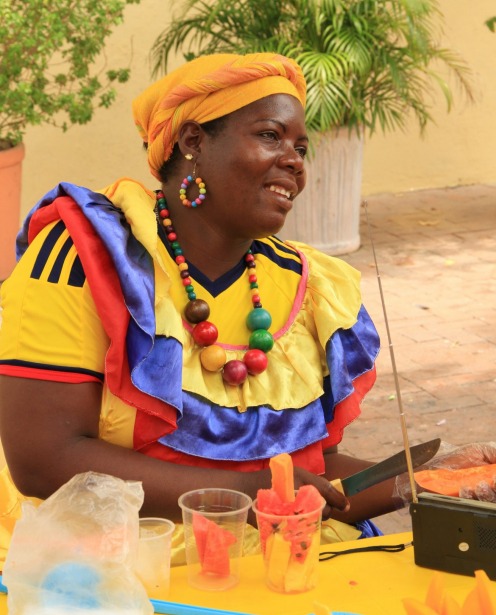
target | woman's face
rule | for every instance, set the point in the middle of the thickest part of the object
(254, 168)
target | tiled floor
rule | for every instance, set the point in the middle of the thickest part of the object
(436, 252)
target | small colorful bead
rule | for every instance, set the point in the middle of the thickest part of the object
(201, 190)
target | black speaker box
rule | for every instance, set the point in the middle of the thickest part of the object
(454, 534)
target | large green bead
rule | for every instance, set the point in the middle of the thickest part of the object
(258, 319)
(262, 340)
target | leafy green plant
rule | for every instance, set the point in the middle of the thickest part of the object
(48, 49)
(367, 62)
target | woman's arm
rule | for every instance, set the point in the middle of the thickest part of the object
(372, 502)
(395, 493)
(49, 432)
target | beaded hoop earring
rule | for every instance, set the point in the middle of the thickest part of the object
(187, 181)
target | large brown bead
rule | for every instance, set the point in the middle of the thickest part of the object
(196, 311)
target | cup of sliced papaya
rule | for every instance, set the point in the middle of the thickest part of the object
(290, 538)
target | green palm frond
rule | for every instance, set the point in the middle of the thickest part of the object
(368, 63)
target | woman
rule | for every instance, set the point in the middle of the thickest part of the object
(108, 345)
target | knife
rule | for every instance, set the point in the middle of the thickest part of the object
(392, 466)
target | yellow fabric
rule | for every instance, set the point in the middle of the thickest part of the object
(297, 364)
(36, 336)
(207, 88)
(331, 301)
(60, 329)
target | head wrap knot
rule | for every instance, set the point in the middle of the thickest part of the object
(208, 88)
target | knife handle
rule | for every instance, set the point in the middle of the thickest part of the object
(337, 484)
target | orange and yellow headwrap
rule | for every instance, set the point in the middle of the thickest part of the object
(208, 88)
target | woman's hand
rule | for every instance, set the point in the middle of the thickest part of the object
(335, 500)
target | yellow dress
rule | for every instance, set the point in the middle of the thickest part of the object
(320, 367)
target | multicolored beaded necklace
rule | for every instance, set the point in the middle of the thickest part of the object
(213, 356)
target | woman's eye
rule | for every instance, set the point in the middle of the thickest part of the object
(302, 151)
(269, 134)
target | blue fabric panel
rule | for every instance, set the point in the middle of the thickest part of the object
(350, 353)
(368, 528)
(214, 432)
(147, 356)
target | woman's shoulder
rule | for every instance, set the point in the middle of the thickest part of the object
(329, 290)
(321, 274)
(295, 254)
(321, 261)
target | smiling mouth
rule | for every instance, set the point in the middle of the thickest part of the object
(279, 190)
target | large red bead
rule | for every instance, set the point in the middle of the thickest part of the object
(256, 361)
(205, 333)
(235, 372)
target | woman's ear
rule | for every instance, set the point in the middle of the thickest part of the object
(190, 138)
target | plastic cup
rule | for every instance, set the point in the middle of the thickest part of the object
(154, 551)
(290, 547)
(214, 525)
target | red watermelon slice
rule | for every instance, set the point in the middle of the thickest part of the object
(213, 544)
(200, 530)
(307, 499)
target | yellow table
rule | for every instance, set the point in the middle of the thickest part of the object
(360, 583)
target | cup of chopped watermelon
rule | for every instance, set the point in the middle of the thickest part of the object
(290, 538)
(214, 524)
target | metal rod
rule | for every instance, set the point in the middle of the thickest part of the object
(404, 430)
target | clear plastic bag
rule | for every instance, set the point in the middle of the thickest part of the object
(74, 553)
(452, 457)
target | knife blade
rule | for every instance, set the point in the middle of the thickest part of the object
(392, 466)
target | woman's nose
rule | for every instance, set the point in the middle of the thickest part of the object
(291, 159)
